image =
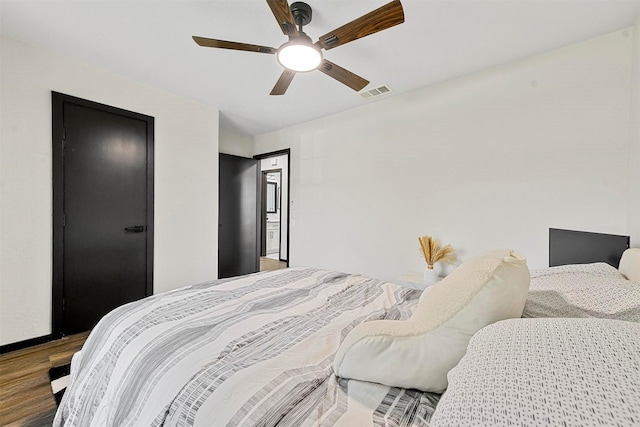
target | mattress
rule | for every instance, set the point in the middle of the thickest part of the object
(257, 350)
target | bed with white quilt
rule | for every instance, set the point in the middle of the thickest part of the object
(309, 347)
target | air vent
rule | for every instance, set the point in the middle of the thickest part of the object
(377, 91)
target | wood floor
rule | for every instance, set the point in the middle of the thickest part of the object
(25, 393)
(268, 264)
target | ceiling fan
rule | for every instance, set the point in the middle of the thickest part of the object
(300, 54)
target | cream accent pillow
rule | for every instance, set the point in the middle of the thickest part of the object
(419, 352)
(630, 264)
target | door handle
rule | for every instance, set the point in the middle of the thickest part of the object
(134, 229)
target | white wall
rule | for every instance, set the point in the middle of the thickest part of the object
(634, 151)
(235, 144)
(186, 180)
(486, 161)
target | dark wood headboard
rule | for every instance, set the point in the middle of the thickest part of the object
(581, 247)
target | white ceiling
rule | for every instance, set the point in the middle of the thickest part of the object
(150, 41)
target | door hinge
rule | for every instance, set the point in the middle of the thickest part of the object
(64, 220)
(64, 304)
(64, 134)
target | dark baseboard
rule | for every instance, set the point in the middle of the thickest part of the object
(8, 348)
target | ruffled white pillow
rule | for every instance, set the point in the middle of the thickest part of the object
(418, 352)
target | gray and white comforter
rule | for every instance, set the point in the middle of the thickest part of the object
(257, 350)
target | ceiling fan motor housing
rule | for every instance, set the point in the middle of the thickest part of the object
(301, 13)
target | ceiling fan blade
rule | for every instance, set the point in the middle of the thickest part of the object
(202, 41)
(283, 82)
(281, 11)
(384, 17)
(346, 77)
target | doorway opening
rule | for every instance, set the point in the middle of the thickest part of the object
(274, 210)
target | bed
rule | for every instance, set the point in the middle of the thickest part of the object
(574, 360)
(259, 350)
(585, 278)
(253, 351)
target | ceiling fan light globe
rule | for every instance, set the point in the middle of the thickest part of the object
(299, 57)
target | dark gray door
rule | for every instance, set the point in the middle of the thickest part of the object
(106, 252)
(238, 229)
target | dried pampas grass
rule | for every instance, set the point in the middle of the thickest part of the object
(433, 253)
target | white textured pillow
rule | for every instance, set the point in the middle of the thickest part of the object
(630, 264)
(582, 290)
(418, 352)
(546, 372)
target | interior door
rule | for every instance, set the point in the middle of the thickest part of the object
(107, 212)
(238, 222)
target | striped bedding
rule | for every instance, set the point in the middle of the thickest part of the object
(256, 350)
